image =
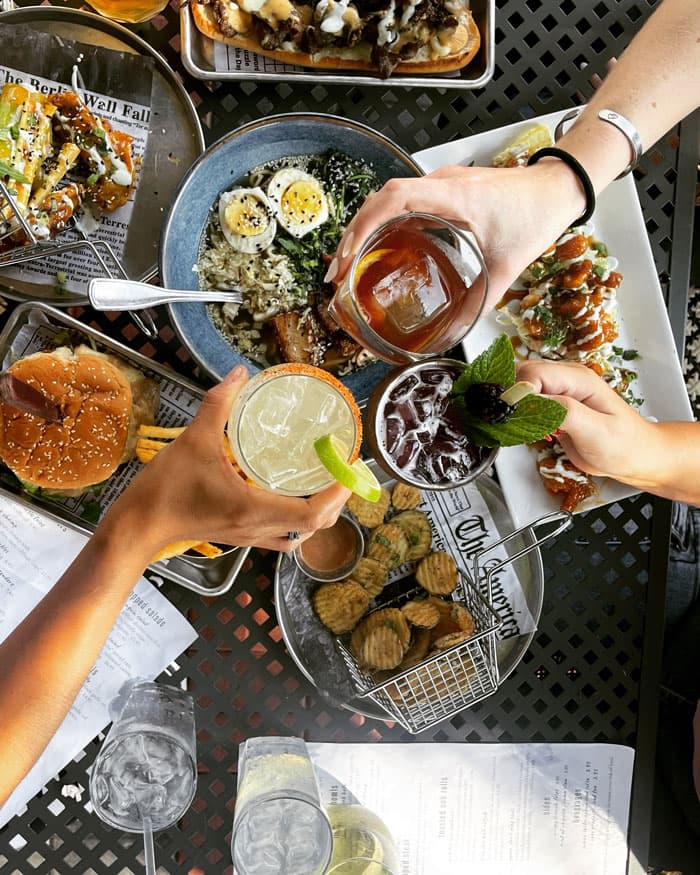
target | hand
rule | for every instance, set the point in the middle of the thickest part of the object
(191, 491)
(514, 213)
(601, 433)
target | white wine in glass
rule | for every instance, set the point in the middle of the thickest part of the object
(362, 843)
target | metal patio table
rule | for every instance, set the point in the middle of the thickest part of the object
(592, 671)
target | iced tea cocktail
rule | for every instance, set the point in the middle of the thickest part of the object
(415, 431)
(415, 288)
(278, 416)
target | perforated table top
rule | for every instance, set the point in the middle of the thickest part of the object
(591, 672)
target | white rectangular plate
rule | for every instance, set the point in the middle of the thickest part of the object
(643, 319)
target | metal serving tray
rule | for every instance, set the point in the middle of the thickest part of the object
(209, 577)
(522, 550)
(197, 53)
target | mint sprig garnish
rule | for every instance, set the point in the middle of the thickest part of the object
(534, 417)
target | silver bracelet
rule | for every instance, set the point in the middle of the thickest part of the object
(624, 126)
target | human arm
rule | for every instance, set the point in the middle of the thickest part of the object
(604, 436)
(517, 213)
(190, 490)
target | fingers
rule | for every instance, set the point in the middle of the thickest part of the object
(326, 505)
(572, 381)
(216, 404)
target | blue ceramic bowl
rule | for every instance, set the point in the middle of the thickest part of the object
(216, 170)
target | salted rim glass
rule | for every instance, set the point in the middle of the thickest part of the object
(295, 484)
(346, 310)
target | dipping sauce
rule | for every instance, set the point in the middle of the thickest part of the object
(416, 433)
(331, 554)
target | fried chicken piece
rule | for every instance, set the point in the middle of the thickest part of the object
(561, 477)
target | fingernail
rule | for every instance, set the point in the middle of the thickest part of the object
(235, 374)
(347, 248)
(331, 272)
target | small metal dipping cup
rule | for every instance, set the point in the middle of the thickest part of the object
(356, 545)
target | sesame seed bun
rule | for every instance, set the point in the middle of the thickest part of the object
(94, 435)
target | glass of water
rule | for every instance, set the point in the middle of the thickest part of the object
(279, 827)
(146, 770)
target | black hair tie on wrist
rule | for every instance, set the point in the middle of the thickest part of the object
(583, 177)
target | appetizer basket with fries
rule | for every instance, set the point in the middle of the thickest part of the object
(461, 674)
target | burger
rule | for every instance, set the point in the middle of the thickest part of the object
(102, 400)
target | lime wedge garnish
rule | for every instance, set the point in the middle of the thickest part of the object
(357, 477)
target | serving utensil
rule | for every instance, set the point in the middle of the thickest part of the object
(117, 294)
(20, 395)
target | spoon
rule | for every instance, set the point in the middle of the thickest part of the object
(111, 294)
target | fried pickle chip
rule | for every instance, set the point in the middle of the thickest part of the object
(416, 526)
(437, 573)
(381, 648)
(369, 513)
(392, 618)
(417, 651)
(405, 497)
(388, 544)
(371, 574)
(462, 618)
(340, 605)
(421, 613)
(450, 640)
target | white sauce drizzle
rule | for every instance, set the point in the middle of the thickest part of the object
(385, 33)
(331, 13)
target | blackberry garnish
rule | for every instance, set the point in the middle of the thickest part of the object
(484, 401)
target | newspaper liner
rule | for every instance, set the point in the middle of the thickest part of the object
(124, 94)
(177, 407)
(463, 526)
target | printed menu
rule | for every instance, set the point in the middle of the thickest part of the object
(499, 808)
(147, 636)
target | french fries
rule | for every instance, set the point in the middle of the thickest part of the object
(159, 431)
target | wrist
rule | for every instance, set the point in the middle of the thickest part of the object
(567, 200)
(129, 531)
(601, 148)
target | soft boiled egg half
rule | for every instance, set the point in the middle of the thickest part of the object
(247, 219)
(298, 199)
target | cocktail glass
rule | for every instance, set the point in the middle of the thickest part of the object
(275, 420)
(362, 843)
(415, 288)
(129, 11)
(415, 432)
(279, 827)
(146, 768)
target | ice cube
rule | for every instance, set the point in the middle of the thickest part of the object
(403, 391)
(412, 295)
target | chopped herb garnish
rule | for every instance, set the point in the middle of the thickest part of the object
(92, 178)
(7, 170)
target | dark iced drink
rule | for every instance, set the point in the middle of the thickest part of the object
(415, 431)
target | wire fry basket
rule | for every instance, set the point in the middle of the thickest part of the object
(456, 678)
(13, 222)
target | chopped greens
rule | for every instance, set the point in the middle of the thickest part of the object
(347, 183)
